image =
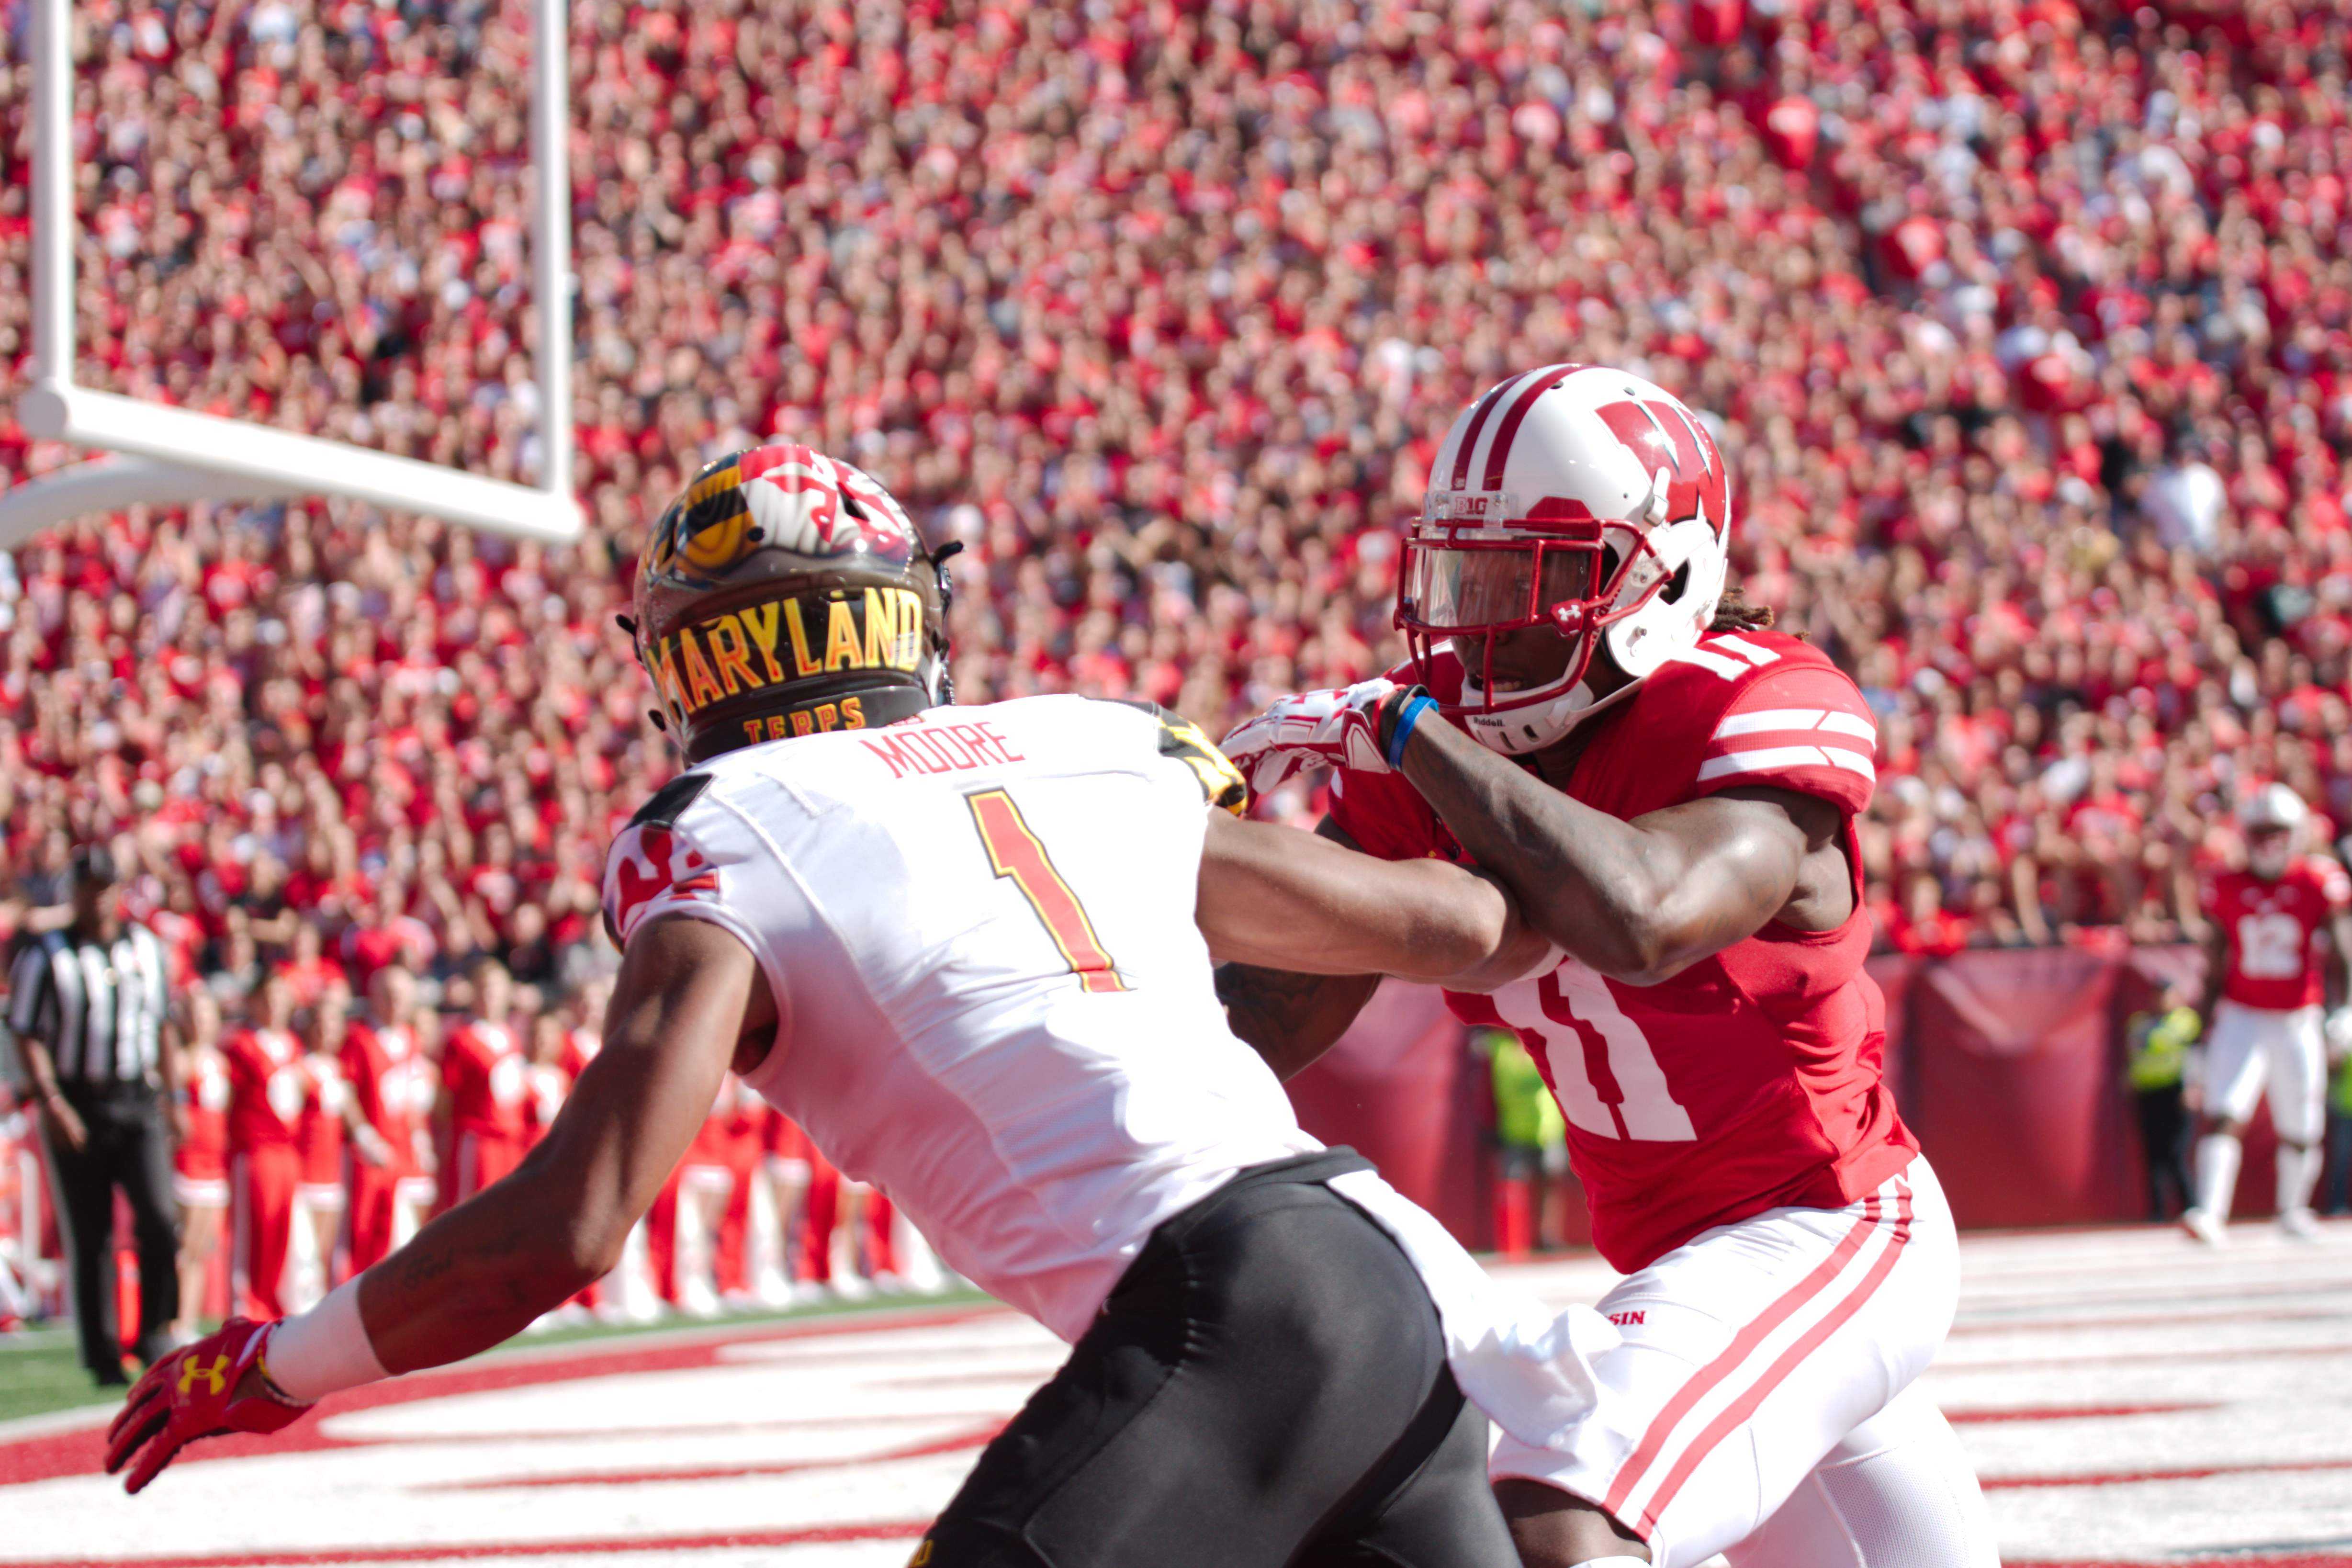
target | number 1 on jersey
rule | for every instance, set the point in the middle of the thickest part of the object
(1014, 851)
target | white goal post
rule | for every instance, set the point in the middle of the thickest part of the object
(163, 456)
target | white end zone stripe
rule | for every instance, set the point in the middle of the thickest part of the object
(1834, 720)
(1768, 759)
(1889, 1232)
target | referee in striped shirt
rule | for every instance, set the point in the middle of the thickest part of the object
(87, 1005)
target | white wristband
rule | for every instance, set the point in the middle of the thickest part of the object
(323, 1350)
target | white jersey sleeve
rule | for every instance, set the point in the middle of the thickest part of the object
(994, 1002)
(655, 867)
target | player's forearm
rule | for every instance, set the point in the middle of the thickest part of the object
(1281, 900)
(40, 1069)
(483, 1272)
(1602, 889)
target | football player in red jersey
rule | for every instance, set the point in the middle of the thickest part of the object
(1669, 791)
(2264, 986)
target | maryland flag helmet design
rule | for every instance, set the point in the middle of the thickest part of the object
(785, 594)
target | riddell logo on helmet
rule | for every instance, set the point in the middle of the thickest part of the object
(761, 647)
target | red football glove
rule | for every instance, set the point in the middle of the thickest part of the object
(199, 1391)
(1347, 728)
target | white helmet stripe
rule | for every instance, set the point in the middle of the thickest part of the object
(1478, 415)
(1499, 448)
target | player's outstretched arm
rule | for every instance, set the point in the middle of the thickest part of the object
(1638, 901)
(687, 992)
(485, 1270)
(1306, 925)
(1277, 897)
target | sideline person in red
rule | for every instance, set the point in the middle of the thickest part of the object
(267, 1090)
(200, 1161)
(483, 1085)
(391, 1085)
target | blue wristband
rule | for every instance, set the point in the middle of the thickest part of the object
(1405, 721)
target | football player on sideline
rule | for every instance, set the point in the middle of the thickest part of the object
(2265, 982)
(1670, 790)
(970, 951)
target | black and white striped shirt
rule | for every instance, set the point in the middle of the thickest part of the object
(99, 1007)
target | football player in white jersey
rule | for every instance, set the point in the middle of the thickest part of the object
(970, 951)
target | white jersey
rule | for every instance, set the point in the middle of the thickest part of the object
(994, 1005)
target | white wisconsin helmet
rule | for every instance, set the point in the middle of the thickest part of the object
(2275, 810)
(2273, 806)
(1576, 497)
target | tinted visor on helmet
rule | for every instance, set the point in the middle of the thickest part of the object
(1480, 585)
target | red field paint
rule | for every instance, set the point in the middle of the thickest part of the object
(2071, 1413)
(2189, 1473)
(898, 1529)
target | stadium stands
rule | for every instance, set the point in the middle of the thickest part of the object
(2030, 324)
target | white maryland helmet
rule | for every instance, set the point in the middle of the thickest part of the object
(1576, 497)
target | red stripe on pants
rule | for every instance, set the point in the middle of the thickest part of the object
(1741, 1408)
(1742, 1346)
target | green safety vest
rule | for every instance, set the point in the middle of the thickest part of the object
(1526, 1115)
(2159, 1048)
(2339, 1094)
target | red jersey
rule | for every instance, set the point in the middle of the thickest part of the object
(203, 1153)
(545, 1087)
(482, 1070)
(1754, 1078)
(580, 1049)
(2273, 932)
(267, 1087)
(392, 1083)
(319, 1133)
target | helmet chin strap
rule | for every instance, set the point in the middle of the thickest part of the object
(1517, 731)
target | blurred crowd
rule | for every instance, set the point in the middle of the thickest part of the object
(2029, 323)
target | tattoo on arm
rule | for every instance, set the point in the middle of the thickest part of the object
(1290, 1019)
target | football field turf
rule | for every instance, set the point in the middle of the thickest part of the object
(2126, 1396)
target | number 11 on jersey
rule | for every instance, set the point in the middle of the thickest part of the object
(1015, 851)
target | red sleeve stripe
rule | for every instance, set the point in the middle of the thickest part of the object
(1836, 720)
(1778, 759)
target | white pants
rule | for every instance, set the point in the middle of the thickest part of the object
(1754, 1394)
(2286, 1049)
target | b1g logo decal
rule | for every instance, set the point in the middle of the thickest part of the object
(1664, 436)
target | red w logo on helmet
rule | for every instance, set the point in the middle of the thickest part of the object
(1665, 435)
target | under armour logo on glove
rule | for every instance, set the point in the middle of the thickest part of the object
(1338, 728)
(215, 1375)
(199, 1390)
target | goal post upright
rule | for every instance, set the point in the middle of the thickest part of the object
(53, 223)
(550, 237)
(160, 451)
